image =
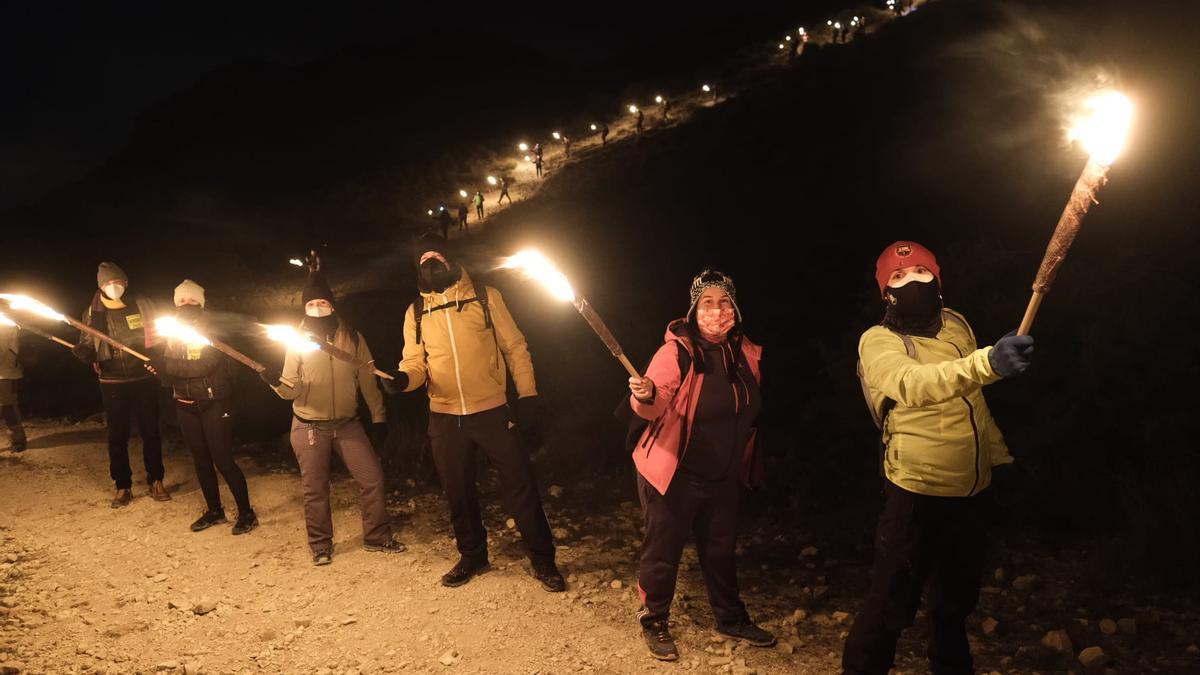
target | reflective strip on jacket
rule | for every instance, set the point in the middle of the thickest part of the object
(940, 438)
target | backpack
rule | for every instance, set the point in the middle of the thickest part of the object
(419, 311)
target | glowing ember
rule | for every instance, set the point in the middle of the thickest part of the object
(24, 303)
(491, 180)
(169, 327)
(1103, 130)
(5, 321)
(291, 338)
(539, 268)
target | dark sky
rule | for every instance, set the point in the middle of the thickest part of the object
(76, 75)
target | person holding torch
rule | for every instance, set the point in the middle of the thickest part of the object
(458, 339)
(324, 392)
(202, 387)
(10, 375)
(701, 396)
(923, 377)
(126, 389)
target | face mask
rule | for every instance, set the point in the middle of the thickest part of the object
(317, 311)
(114, 291)
(714, 323)
(915, 300)
(189, 312)
(433, 275)
(322, 326)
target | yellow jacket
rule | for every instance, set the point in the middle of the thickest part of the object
(940, 438)
(461, 360)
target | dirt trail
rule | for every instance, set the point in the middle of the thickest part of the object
(87, 588)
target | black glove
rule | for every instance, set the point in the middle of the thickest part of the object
(270, 376)
(157, 365)
(1011, 354)
(394, 387)
(85, 352)
(378, 434)
(529, 422)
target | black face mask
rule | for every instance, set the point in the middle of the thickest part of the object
(322, 326)
(917, 310)
(189, 313)
(432, 275)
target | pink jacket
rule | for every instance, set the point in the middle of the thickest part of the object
(673, 409)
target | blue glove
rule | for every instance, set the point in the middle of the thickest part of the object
(1011, 354)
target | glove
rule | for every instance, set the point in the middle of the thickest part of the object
(84, 352)
(270, 376)
(395, 386)
(1011, 354)
(378, 434)
(529, 422)
(157, 365)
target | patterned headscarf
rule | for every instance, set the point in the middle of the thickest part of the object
(708, 279)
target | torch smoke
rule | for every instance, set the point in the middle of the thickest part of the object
(170, 327)
(539, 268)
(291, 338)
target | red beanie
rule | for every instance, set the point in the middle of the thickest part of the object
(904, 254)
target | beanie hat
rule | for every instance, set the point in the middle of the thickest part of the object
(189, 290)
(711, 278)
(431, 242)
(316, 288)
(110, 272)
(904, 254)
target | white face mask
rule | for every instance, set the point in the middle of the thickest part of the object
(317, 311)
(913, 275)
(114, 291)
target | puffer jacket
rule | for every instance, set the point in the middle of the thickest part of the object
(326, 389)
(940, 438)
(459, 359)
(196, 372)
(673, 410)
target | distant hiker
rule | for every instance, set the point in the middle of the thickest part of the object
(463, 210)
(444, 219)
(503, 191)
(478, 201)
(537, 165)
(460, 342)
(923, 375)
(603, 133)
(126, 389)
(537, 151)
(702, 399)
(324, 394)
(640, 118)
(566, 141)
(10, 376)
(203, 389)
(666, 110)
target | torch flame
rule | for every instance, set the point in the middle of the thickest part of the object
(632, 108)
(706, 88)
(462, 193)
(539, 268)
(1103, 131)
(523, 146)
(28, 304)
(296, 261)
(291, 338)
(491, 180)
(593, 127)
(170, 327)
(5, 321)
(556, 135)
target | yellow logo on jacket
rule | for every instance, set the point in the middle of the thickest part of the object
(134, 321)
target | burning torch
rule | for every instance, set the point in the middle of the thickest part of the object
(5, 321)
(307, 342)
(170, 327)
(24, 303)
(1102, 133)
(537, 267)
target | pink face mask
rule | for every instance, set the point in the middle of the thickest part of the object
(714, 323)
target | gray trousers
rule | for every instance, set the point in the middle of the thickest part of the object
(11, 413)
(314, 445)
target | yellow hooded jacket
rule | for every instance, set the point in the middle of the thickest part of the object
(940, 438)
(458, 358)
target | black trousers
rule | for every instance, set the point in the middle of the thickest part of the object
(696, 508)
(479, 211)
(455, 440)
(10, 412)
(939, 540)
(122, 402)
(207, 428)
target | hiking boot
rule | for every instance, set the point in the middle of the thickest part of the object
(123, 497)
(547, 572)
(209, 519)
(659, 641)
(245, 522)
(17, 447)
(390, 546)
(323, 557)
(746, 631)
(158, 492)
(462, 572)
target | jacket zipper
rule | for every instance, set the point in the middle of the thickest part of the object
(462, 399)
(974, 428)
